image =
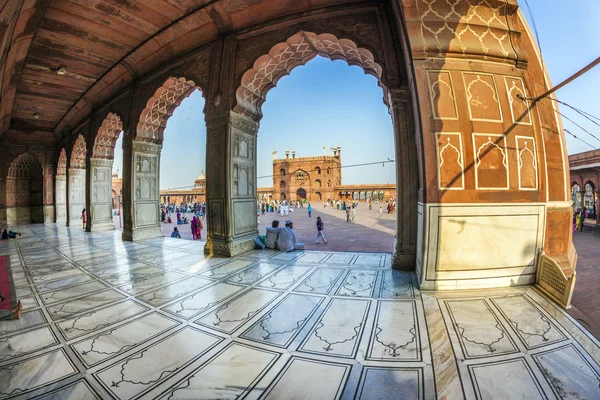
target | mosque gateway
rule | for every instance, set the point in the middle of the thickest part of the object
(483, 201)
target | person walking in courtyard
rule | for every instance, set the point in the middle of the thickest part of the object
(194, 227)
(309, 209)
(347, 214)
(175, 233)
(320, 227)
(353, 214)
(380, 212)
(83, 218)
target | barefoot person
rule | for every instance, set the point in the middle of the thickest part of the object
(287, 238)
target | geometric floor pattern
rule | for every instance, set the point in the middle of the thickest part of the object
(106, 319)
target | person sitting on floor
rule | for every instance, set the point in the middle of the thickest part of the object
(175, 233)
(272, 235)
(6, 234)
(287, 238)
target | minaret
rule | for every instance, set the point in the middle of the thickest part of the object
(274, 153)
(324, 150)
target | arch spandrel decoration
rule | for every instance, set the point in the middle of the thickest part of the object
(160, 107)
(78, 154)
(61, 169)
(104, 145)
(22, 165)
(283, 57)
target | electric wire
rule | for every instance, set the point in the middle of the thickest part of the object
(383, 162)
(570, 133)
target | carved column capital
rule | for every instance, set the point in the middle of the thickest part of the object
(399, 97)
(101, 162)
(146, 147)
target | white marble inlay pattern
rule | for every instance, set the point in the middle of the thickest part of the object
(83, 304)
(570, 375)
(532, 327)
(62, 283)
(479, 331)
(308, 379)
(283, 322)
(227, 269)
(98, 319)
(286, 277)
(174, 291)
(148, 283)
(229, 375)
(512, 379)
(25, 343)
(72, 292)
(28, 320)
(358, 283)
(201, 301)
(396, 332)
(320, 281)
(339, 330)
(26, 375)
(234, 313)
(253, 274)
(141, 371)
(114, 341)
(396, 284)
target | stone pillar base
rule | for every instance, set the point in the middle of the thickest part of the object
(141, 234)
(75, 223)
(49, 214)
(404, 262)
(229, 248)
(102, 226)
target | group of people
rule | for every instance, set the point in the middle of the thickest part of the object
(285, 239)
(578, 219)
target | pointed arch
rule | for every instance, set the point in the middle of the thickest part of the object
(61, 169)
(284, 57)
(160, 107)
(24, 190)
(78, 154)
(108, 133)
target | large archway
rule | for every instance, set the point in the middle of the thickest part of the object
(24, 191)
(76, 183)
(142, 218)
(303, 47)
(101, 164)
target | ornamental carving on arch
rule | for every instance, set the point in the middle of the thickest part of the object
(104, 145)
(527, 163)
(283, 57)
(469, 27)
(450, 161)
(61, 168)
(491, 161)
(22, 166)
(78, 154)
(160, 107)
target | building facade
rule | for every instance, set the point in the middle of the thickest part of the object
(117, 190)
(195, 195)
(585, 178)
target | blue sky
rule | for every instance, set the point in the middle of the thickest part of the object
(328, 103)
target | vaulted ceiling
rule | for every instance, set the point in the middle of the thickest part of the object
(59, 58)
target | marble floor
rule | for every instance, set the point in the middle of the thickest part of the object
(106, 319)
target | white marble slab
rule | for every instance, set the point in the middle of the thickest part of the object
(62, 283)
(532, 327)
(28, 319)
(79, 390)
(339, 330)
(141, 371)
(479, 331)
(512, 379)
(147, 283)
(118, 276)
(340, 258)
(227, 269)
(285, 277)
(124, 337)
(174, 291)
(308, 379)
(321, 281)
(358, 283)
(197, 303)
(569, 373)
(72, 292)
(83, 304)
(32, 373)
(253, 274)
(283, 322)
(396, 284)
(370, 260)
(98, 319)
(229, 375)
(390, 384)
(21, 344)
(230, 316)
(395, 335)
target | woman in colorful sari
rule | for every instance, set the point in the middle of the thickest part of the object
(194, 228)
